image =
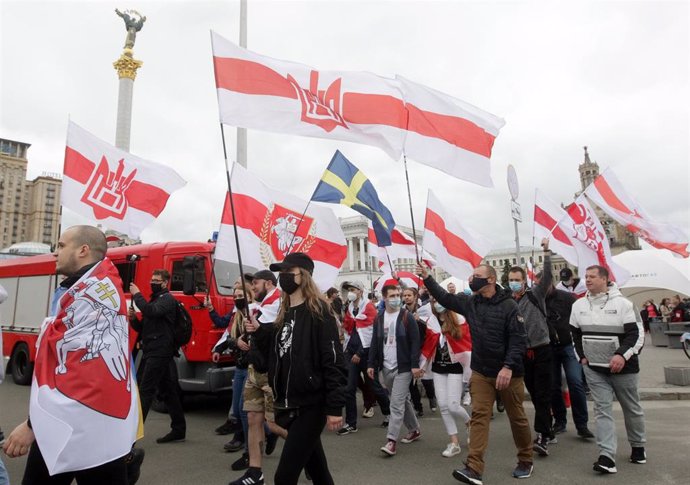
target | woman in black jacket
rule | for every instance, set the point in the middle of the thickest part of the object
(306, 370)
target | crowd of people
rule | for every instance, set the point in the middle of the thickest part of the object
(301, 355)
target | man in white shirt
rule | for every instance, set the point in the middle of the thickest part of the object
(394, 351)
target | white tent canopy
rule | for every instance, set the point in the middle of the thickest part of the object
(460, 285)
(654, 274)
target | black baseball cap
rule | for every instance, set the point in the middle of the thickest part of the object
(566, 274)
(264, 274)
(294, 260)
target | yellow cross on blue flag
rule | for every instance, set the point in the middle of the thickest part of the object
(343, 183)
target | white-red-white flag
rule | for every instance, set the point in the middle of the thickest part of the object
(458, 249)
(269, 227)
(594, 248)
(84, 405)
(531, 274)
(256, 91)
(396, 115)
(113, 187)
(550, 220)
(402, 247)
(608, 193)
(449, 134)
(401, 278)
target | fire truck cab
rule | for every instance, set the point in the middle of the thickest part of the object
(30, 282)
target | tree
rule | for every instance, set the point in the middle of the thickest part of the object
(504, 274)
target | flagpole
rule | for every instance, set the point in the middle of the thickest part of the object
(409, 198)
(234, 220)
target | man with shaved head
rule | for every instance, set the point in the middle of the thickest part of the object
(79, 249)
(498, 344)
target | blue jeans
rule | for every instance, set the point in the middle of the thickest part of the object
(238, 401)
(4, 478)
(564, 355)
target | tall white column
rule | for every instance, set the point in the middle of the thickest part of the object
(362, 258)
(126, 67)
(350, 254)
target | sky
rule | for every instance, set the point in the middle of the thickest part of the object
(610, 75)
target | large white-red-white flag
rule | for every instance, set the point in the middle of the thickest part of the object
(550, 220)
(404, 279)
(396, 115)
(595, 248)
(458, 249)
(608, 193)
(270, 225)
(113, 187)
(402, 247)
(448, 133)
(576, 234)
(84, 405)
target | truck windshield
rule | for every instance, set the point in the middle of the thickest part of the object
(226, 274)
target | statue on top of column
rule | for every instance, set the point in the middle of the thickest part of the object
(133, 23)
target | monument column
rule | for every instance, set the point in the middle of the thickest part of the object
(350, 254)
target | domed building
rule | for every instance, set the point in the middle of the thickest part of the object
(24, 249)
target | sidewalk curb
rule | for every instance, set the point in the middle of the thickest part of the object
(665, 394)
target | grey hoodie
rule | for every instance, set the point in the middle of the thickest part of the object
(536, 325)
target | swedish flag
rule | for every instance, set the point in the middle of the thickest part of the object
(343, 183)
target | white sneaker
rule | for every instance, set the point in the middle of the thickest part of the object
(368, 412)
(451, 450)
(467, 399)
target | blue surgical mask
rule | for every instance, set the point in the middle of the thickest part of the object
(439, 308)
(515, 286)
(394, 303)
(467, 291)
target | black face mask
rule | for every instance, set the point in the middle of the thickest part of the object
(478, 283)
(240, 303)
(287, 282)
(156, 287)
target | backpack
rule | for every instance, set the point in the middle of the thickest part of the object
(182, 328)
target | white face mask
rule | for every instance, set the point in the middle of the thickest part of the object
(439, 308)
(351, 296)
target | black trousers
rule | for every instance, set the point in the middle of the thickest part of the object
(538, 377)
(303, 449)
(36, 472)
(160, 373)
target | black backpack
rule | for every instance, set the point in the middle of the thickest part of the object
(182, 328)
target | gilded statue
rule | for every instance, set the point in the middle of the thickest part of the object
(133, 23)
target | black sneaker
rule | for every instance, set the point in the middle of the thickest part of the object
(559, 428)
(523, 469)
(467, 475)
(541, 445)
(585, 433)
(271, 441)
(347, 429)
(171, 437)
(2, 438)
(250, 477)
(242, 463)
(500, 407)
(233, 445)
(604, 465)
(638, 455)
(385, 422)
(433, 405)
(229, 426)
(133, 462)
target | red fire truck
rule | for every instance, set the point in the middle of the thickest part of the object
(30, 282)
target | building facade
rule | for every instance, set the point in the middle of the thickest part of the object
(29, 210)
(498, 257)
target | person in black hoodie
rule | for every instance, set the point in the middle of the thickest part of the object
(306, 370)
(160, 372)
(499, 342)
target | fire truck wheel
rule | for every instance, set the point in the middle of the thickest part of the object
(22, 367)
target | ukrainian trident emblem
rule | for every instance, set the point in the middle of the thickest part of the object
(106, 191)
(283, 233)
(320, 107)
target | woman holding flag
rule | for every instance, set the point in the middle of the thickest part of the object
(446, 331)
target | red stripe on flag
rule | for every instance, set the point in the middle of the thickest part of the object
(455, 245)
(609, 197)
(374, 109)
(454, 130)
(543, 218)
(141, 196)
(250, 77)
(250, 215)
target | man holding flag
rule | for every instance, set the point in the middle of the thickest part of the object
(83, 389)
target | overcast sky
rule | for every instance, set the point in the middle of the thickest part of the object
(609, 75)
